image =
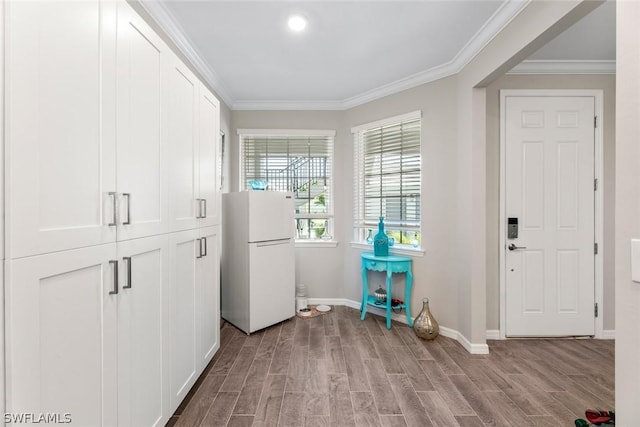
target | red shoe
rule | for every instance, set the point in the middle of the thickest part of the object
(599, 417)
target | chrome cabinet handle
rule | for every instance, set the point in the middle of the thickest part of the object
(128, 260)
(513, 247)
(204, 215)
(114, 218)
(199, 248)
(128, 196)
(205, 246)
(199, 214)
(115, 278)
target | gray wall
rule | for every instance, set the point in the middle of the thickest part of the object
(607, 84)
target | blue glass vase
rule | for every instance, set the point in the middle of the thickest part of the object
(381, 241)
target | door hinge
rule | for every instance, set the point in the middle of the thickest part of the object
(595, 249)
(595, 309)
(595, 121)
(595, 184)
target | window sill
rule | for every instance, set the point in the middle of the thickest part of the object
(316, 243)
(394, 250)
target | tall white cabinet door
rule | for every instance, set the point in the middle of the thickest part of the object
(143, 322)
(209, 295)
(141, 150)
(61, 331)
(181, 132)
(60, 124)
(209, 134)
(184, 249)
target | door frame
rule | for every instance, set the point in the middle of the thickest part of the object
(597, 95)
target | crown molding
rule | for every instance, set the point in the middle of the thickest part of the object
(176, 33)
(564, 67)
(500, 18)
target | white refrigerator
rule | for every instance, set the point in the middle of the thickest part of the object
(258, 259)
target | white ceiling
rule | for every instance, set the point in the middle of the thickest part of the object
(352, 51)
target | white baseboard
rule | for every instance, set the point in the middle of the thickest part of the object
(609, 334)
(493, 334)
(402, 318)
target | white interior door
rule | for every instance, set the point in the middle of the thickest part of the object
(549, 188)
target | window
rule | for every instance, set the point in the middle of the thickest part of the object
(296, 161)
(387, 166)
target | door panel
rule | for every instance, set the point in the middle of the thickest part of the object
(209, 296)
(141, 160)
(183, 314)
(209, 134)
(181, 119)
(549, 187)
(56, 117)
(272, 283)
(61, 335)
(142, 332)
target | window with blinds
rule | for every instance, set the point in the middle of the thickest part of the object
(299, 162)
(387, 178)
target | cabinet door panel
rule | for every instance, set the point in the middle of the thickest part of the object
(183, 316)
(60, 118)
(209, 297)
(142, 332)
(141, 151)
(180, 128)
(209, 135)
(61, 335)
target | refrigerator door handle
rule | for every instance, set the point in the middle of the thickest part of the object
(273, 242)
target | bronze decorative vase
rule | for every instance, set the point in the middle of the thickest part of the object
(425, 325)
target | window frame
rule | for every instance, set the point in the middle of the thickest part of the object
(298, 133)
(360, 226)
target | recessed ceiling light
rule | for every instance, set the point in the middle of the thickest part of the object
(297, 23)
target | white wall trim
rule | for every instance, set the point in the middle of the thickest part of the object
(402, 318)
(286, 132)
(500, 18)
(599, 196)
(564, 67)
(609, 334)
(493, 334)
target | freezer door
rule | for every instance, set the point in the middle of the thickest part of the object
(272, 283)
(270, 216)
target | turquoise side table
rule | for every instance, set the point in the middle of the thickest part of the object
(391, 264)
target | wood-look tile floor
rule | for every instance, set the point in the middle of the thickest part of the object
(335, 370)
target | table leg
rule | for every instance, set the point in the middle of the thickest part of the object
(365, 293)
(407, 298)
(389, 281)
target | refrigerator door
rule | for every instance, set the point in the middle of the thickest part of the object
(270, 216)
(272, 283)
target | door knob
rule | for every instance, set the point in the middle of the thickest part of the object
(513, 247)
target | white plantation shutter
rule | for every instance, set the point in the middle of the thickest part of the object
(296, 161)
(387, 176)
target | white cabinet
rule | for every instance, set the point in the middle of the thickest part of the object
(208, 296)
(143, 326)
(193, 134)
(194, 306)
(181, 133)
(209, 138)
(141, 149)
(104, 128)
(61, 334)
(60, 123)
